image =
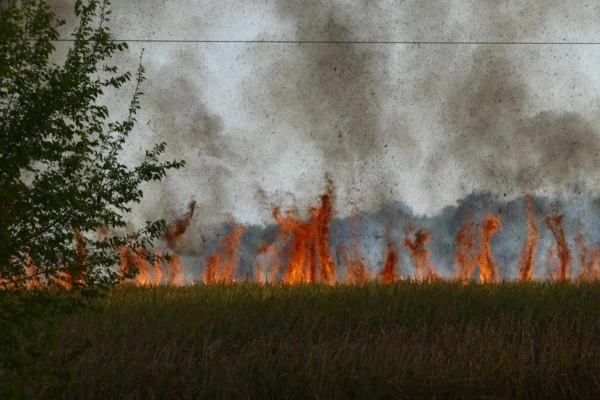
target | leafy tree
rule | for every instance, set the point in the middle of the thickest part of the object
(63, 182)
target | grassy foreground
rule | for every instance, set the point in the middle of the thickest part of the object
(406, 340)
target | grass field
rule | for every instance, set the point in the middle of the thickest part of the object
(406, 340)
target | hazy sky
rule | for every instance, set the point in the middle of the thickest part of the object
(422, 123)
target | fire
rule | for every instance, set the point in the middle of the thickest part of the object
(299, 252)
(210, 271)
(158, 269)
(356, 269)
(323, 220)
(135, 259)
(221, 266)
(276, 267)
(30, 270)
(175, 271)
(488, 271)
(527, 262)
(267, 254)
(74, 275)
(389, 273)
(299, 240)
(355, 265)
(589, 259)
(424, 270)
(259, 276)
(562, 248)
(179, 226)
(464, 255)
(307, 243)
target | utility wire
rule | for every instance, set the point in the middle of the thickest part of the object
(353, 42)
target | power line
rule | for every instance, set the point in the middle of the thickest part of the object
(352, 42)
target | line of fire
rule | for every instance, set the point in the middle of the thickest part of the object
(300, 252)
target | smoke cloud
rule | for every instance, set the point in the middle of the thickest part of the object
(425, 134)
(501, 147)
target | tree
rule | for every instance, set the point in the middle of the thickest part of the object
(62, 177)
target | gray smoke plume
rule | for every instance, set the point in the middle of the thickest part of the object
(330, 95)
(173, 110)
(498, 144)
(439, 116)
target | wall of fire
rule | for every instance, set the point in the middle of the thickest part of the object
(411, 107)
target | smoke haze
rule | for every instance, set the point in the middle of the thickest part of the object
(420, 130)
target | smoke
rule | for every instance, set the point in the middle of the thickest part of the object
(501, 147)
(174, 110)
(177, 115)
(399, 127)
(328, 96)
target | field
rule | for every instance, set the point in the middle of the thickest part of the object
(407, 340)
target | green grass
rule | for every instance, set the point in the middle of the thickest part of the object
(407, 340)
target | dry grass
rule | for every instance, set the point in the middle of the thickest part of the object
(407, 340)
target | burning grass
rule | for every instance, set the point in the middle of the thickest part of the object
(408, 339)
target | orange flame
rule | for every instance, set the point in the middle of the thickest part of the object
(231, 259)
(158, 269)
(561, 273)
(307, 243)
(30, 271)
(135, 259)
(389, 273)
(175, 271)
(488, 271)
(299, 238)
(527, 263)
(210, 271)
(301, 254)
(357, 271)
(589, 259)
(464, 256)
(267, 252)
(74, 273)
(179, 226)
(276, 267)
(221, 266)
(323, 220)
(259, 276)
(424, 270)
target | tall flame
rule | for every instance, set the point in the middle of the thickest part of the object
(527, 263)
(299, 252)
(589, 259)
(355, 265)
(488, 271)
(563, 252)
(465, 251)
(74, 274)
(222, 265)
(323, 220)
(424, 270)
(389, 272)
(135, 259)
(158, 269)
(299, 239)
(179, 226)
(210, 270)
(307, 243)
(175, 271)
(267, 254)
(356, 268)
